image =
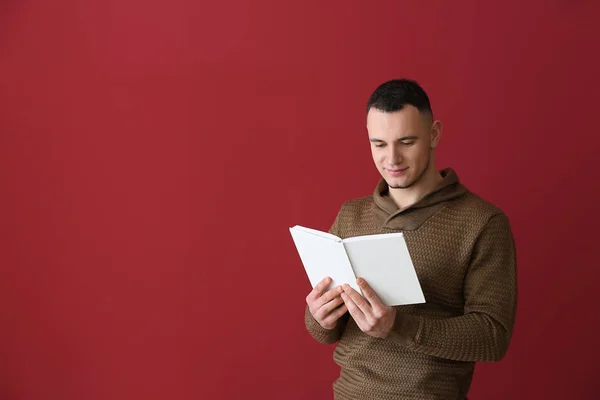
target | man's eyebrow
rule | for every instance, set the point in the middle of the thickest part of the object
(399, 140)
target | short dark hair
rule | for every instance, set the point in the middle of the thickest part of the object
(394, 94)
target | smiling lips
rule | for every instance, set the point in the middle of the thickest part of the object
(395, 172)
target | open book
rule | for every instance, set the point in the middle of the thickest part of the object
(382, 260)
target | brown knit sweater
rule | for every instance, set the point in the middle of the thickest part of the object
(463, 251)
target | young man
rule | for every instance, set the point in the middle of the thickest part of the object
(463, 251)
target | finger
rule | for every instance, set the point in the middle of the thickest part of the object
(353, 309)
(370, 294)
(318, 289)
(360, 301)
(335, 315)
(328, 307)
(329, 295)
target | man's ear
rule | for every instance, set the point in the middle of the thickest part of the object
(436, 133)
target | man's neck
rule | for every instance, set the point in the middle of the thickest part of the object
(405, 198)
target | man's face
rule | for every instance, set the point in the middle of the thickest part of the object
(401, 144)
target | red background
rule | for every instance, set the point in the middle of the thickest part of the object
(154, 154)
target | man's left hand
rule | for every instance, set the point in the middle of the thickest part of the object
(370, 314)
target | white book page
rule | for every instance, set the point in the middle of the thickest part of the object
(385, 263)
(323, 256)
(316, 232)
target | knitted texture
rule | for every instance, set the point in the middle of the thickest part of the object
(464, 255)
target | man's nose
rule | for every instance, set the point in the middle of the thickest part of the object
(395, 155)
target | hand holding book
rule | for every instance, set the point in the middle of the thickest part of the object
(326, 306)
(370, 314)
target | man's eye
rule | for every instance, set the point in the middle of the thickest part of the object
(379, 145)
(408, 143)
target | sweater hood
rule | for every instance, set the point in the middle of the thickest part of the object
(413, 216)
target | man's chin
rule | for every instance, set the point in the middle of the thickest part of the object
(398, 184)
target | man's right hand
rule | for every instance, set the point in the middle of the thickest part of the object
(324, 306)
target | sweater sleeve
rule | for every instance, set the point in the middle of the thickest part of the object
(483, 332)
(322, 335)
